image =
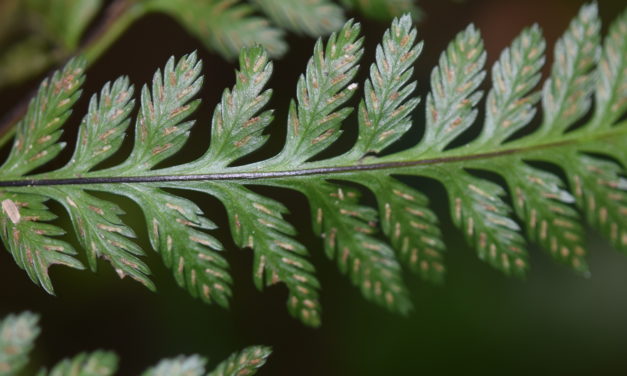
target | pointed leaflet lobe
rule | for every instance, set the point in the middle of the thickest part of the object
(566, 94)
(102, 233)
(541, 200)
(450, 104)
(103, 128)
(385, 111)
(611, 83)
(600, 190)
(160, 130)
(313, 123)
(38, 132)
(479, 211)
(510, 102)
(237, 124)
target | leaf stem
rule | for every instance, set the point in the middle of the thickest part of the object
(323, 170)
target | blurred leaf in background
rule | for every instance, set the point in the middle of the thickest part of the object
(38, 34)
(63, 21)
(35, 34)
(383, 10)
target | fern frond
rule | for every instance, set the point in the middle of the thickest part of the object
(313, 122)
(182, 366)
(175, 229)
(36, 139)
(33, 242)
(347, 229)
(237, 124)
(600, 190)
(102, 233)
(65, 20)
(411, 226)
(566, 94)
(451, 103)
(611, 92)
(314, 18)
(98, 363)
(504, 182)
(18, 334)
(385, 10)
(17, 337)
(257, 223)
(225, 26)
(246, 362)
(510, 103)
(385, 111)
(160, 130)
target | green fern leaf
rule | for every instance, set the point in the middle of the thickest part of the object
(225, 26)
(385, 10)
(313, 122)
(98, 363)
(175, 230)
(237, 125)
(160, 130)
(314, 18)
(182, 366)
(411, 226)
(384, 113)
(611, 93)
(65, 21)
(18, 334)
(36, 138)
(347, 229)
(502, 183)
(257, 223)
(566, 94)
(246, 362)
(17, 337)
(453, 97)
(32, 241)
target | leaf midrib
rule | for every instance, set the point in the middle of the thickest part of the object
(574, 139)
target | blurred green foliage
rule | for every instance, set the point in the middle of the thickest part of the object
(38, 34)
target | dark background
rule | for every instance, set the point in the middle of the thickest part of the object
(479, 321)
